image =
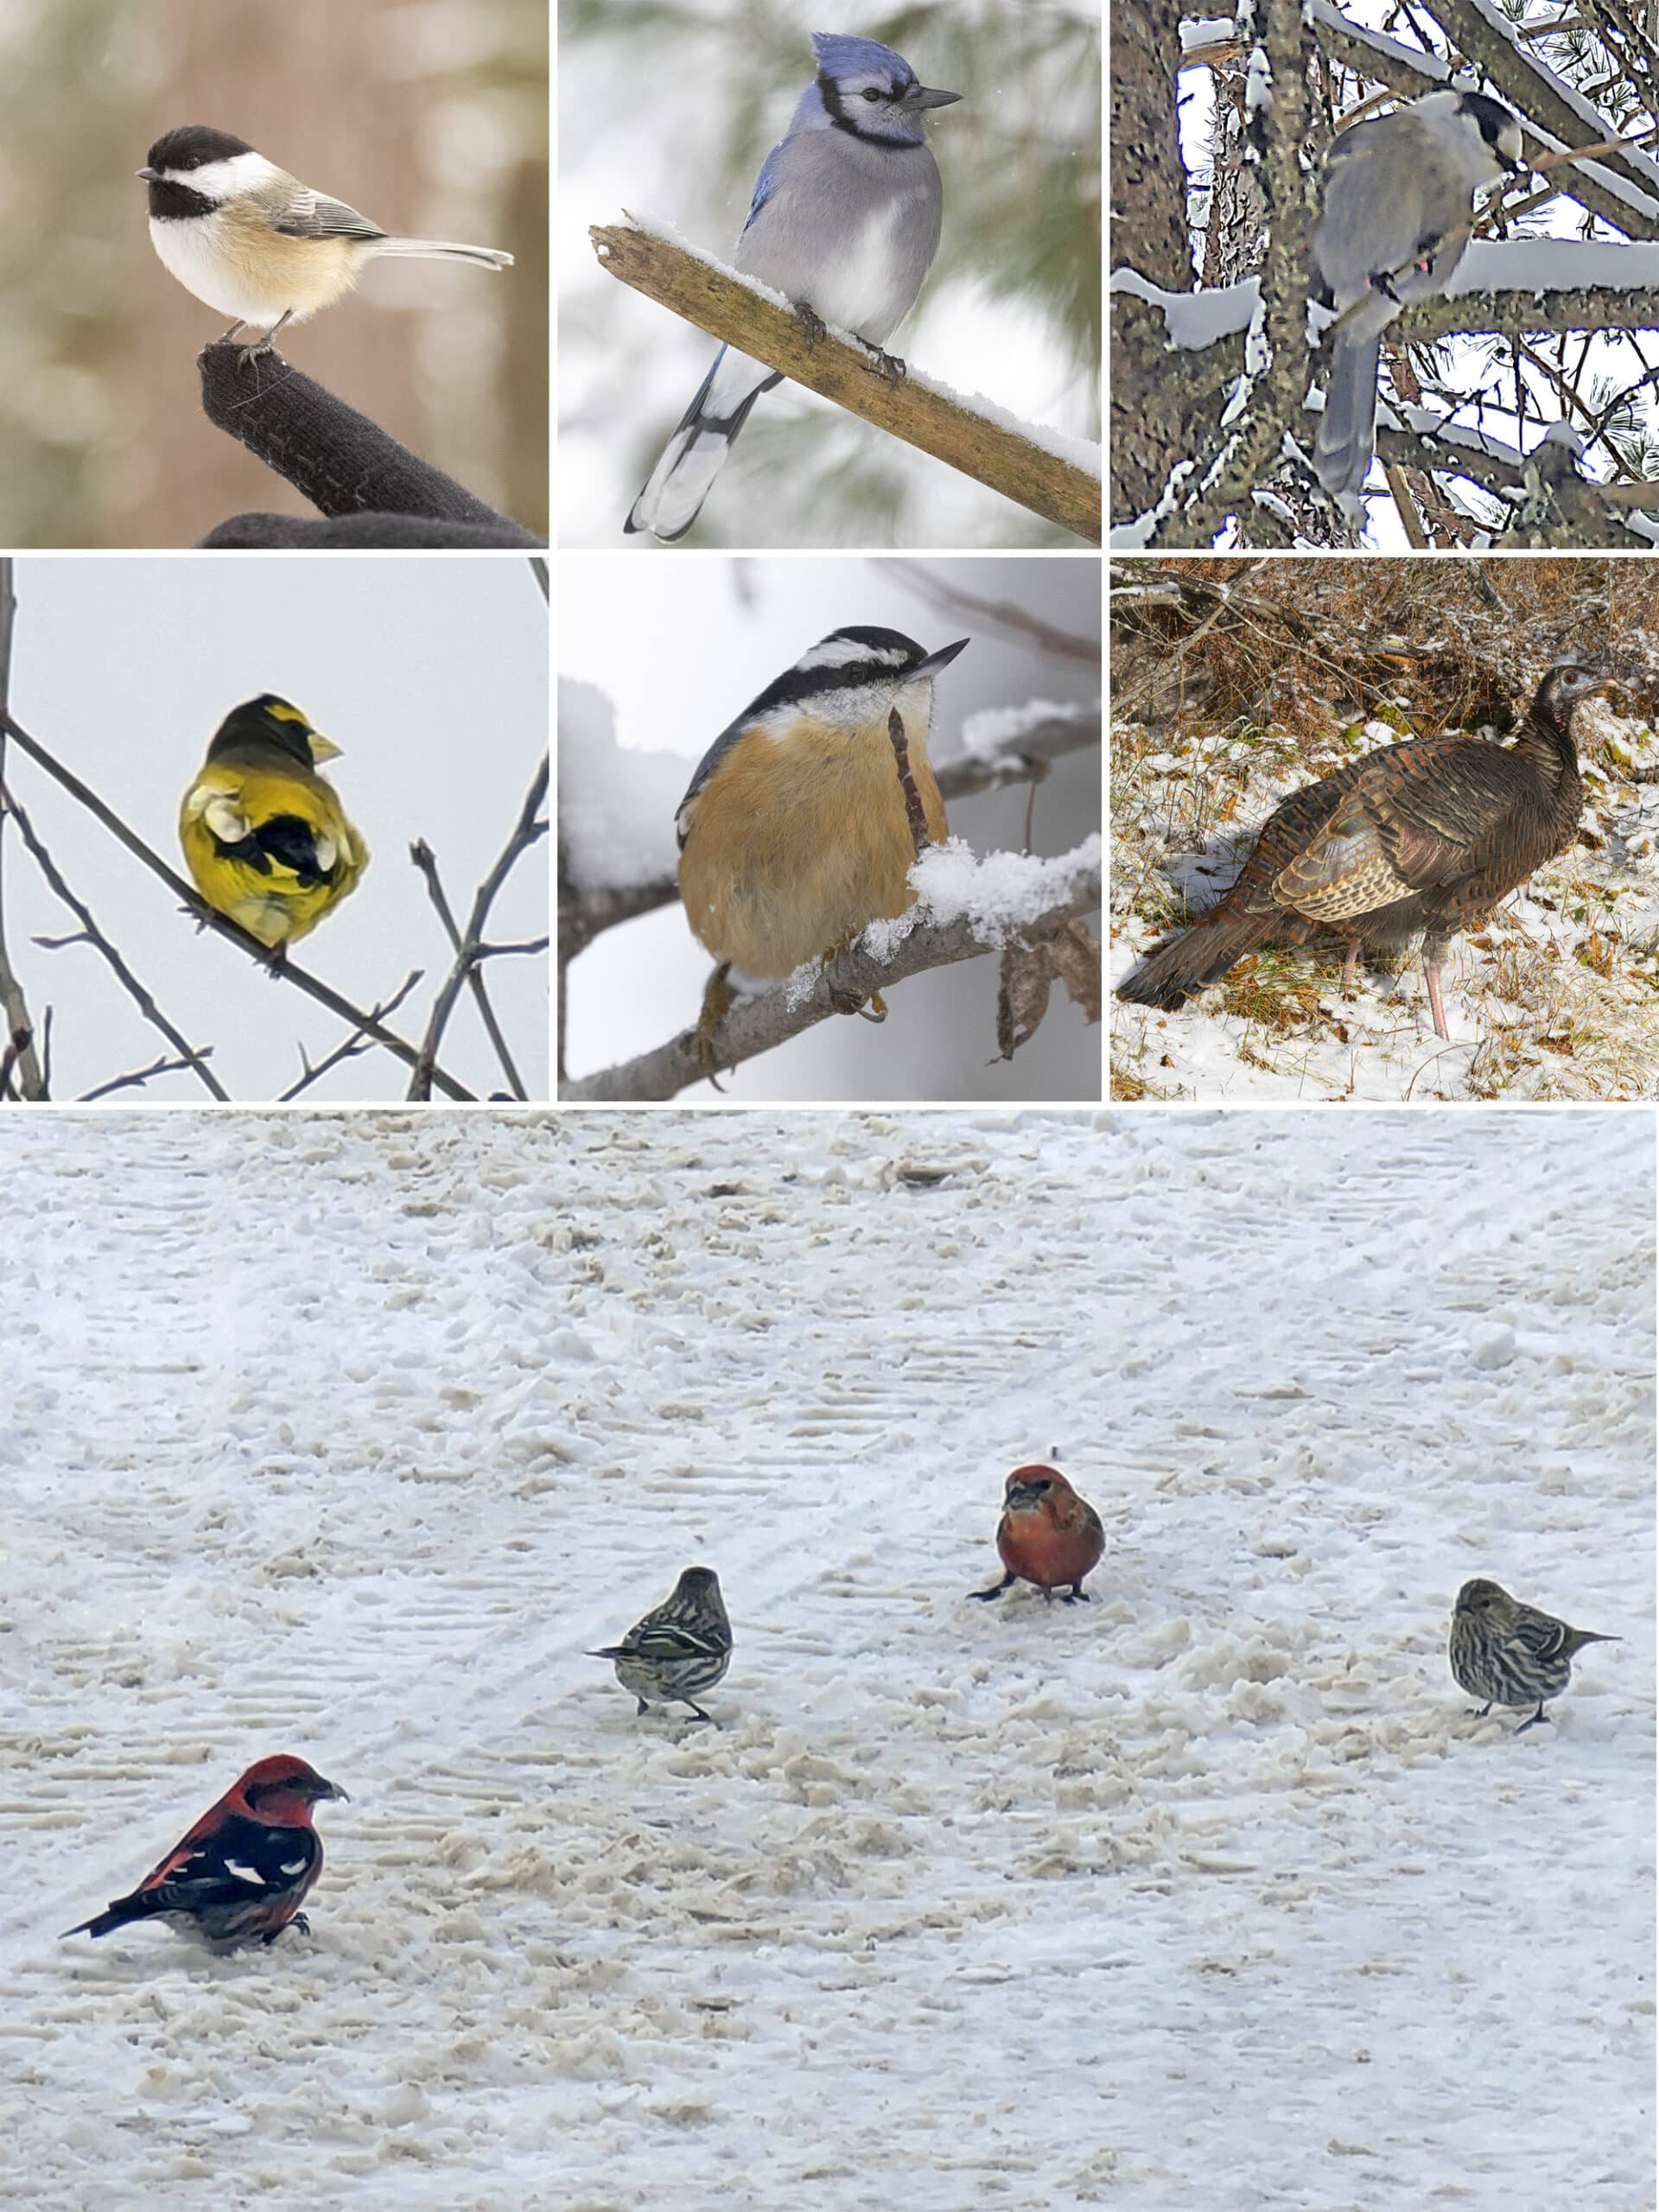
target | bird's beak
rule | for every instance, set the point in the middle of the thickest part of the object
(323, 748)
(148, 176)
(919, 96)
(1020, 1499)
(329, 1790)
(935, 662)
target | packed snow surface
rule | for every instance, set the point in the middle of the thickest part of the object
(350, 1435)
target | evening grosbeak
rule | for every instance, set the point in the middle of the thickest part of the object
(242, 1873)
(1047, 1534)
(679, 1650)
(265, 836)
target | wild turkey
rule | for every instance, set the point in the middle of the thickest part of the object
(1427, 836)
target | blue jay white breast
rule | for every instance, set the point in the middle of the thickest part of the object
(845, 220)
(794, 834)
(256, 243)
(1398, 195)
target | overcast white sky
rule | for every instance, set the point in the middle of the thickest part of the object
(430, 672)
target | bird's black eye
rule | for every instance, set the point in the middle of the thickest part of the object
(873, 95)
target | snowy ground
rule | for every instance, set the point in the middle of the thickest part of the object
(348, 1435)
(1557, 1000)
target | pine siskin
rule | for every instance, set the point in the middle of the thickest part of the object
(1047, 1536)
(680, 1650)
(1511, 1654)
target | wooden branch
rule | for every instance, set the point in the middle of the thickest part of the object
(723, 304)
(313, 986)
(757, 1025)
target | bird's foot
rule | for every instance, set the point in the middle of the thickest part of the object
(1382, 280)
(1076, 1595)
(876, 1010)
(996, 1589)
(886, 365)
(716, 1005)
(276, 958)
(697, 1714)
(813, 324)
(1539, 1715)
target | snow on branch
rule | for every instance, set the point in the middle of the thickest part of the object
(965, 907)
(1052, 475)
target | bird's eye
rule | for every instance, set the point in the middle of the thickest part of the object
(873, 95)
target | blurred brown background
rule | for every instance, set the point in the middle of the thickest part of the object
(429, 116)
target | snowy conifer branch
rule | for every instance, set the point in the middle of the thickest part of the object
(313, 986)
(724, 304)
(757, 1025)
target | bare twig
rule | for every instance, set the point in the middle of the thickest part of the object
(1018, 621)
(539, 569)
(427, 861)
(137, 1077)
(313, 986)
(94, 936)
(531, 826)
(757, 1025)
(356, 1044)
(719, 302)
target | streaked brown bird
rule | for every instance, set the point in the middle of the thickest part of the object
(680, 1650)
(1047, 1536)
(1511, 1654)
(1424, 837)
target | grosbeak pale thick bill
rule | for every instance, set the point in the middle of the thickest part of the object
(1511, 1654)
(242, 1873)
(681, 1649)
(1048, 1536)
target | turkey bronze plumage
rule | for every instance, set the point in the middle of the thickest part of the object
(1424, 837)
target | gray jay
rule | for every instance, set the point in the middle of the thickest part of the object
(1398, 195)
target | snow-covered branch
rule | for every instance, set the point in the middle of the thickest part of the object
(965, 908)
(1054, 476)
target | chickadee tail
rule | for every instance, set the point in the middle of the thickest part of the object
(695, 455)
(1198, 955)
(1347, 432)
(486, 256)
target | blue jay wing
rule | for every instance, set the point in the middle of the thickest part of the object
(310, 215)
(765, 182)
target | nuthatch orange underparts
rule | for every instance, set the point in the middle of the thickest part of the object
(794, 833)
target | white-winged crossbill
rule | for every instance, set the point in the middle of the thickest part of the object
(242, 1873)
(1047, 1536)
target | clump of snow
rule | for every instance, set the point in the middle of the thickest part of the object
(616, 804)
(999, 895)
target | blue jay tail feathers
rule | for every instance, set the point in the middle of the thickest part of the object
(673, 495)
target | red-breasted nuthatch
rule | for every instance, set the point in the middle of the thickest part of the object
(794, 833)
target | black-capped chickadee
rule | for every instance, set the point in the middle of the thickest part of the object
(1398, 194)
(254, 243)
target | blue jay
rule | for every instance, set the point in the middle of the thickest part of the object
(845, 222)
(794, 833)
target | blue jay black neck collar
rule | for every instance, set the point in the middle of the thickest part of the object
(829, 94)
